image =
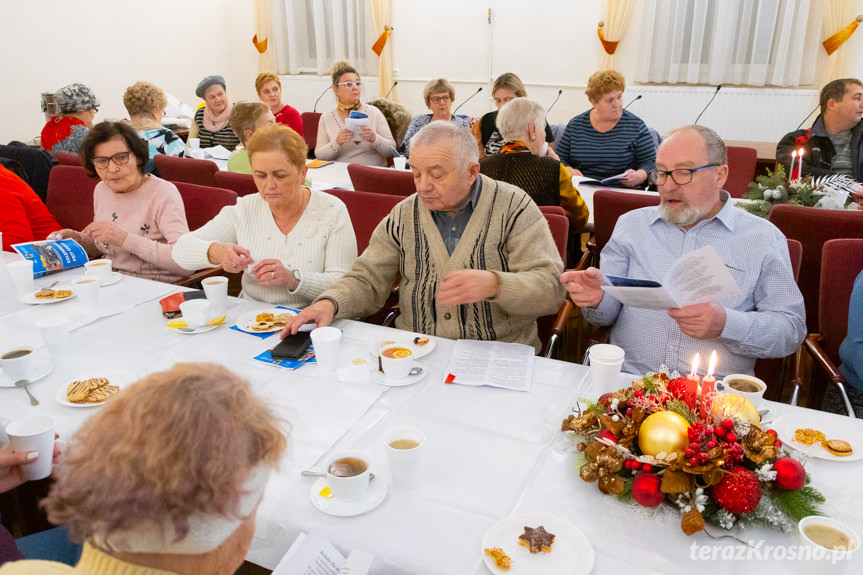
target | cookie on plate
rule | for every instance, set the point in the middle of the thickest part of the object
(262, 317)
(837, 447)
(536, 539)
(809, 436)
(263, 325)
(101, 394)
(44, 293)
(421, 340)
(501, 559)
(61, 293)
(79, 391)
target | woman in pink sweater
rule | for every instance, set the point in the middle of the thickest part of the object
(138, 216)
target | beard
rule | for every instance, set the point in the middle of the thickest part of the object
(684, 215)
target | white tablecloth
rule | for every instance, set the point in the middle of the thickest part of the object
(490, 453)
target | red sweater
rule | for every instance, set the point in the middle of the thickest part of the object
(290, 118)
(23, 216)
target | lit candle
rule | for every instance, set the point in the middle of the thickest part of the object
(791, 171)
(800, 153)
(692, 380)
(708, 385)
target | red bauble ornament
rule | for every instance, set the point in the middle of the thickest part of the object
(607, 434)
(677, 387)
(738, 492)
(790, 474)
(645, 490)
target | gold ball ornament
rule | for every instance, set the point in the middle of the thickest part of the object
(730, 405)
(663, 431)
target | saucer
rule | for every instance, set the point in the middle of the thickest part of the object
(114, 278)
(43, 368)
(384, 379)
(193, 331)
(769, 416)
(376, 493)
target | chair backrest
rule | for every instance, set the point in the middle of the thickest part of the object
(70, 196)
(741, 170)
(841, 263)
(203, 203)
(382, 180)
(795, 252)
(189, 170)
(559, 226)
(552, 210)
(243, 184)
(310, 130)
(37, 163)
(609, 205)
(68, 159)
(812, 228)
(366, 209)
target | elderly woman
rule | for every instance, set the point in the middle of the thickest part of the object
(246, 117)
(178, 492)
(506, 87)
(522, 161)
(607, 140)
(211, 122)
(146, 106)
(269, 89)
(336, 141)
(292, 242)
(78, 106)
(138, 216)
(439, 95)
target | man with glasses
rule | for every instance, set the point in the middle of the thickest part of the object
(766, 319)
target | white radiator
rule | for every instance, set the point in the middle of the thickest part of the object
(301, 91)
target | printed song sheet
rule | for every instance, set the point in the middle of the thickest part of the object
(492, 363)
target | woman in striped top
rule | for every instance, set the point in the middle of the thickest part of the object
(607, 140)
(292, 242)
(211, 122)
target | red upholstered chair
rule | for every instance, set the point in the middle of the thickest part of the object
(68, 159)
(189, 170)
(310, 130)
(551, 327)
(243, 184)
(552, 210)
(841, 263)
(366, 210)
(741, 170)
(813, 227)
(203, 203)
(382, 180)
(70, 196)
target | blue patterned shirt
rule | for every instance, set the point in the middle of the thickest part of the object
(162, 141)
(420, 122)
(767, 319)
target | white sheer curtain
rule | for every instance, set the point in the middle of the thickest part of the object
(751, 42)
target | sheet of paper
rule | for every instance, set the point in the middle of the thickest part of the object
(611, 179)
(218, 153)
(310, 555)
(642, 297)
(492, 363)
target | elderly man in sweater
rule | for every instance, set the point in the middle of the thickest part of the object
(474, 257)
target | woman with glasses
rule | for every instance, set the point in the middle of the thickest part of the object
(439, 95)
(146, 106)
(372, 145)
(137, 216)
(78, 106)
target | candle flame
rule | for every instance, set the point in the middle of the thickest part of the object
(800, 152)
(712, 364)
(794, 154)
(695, 361)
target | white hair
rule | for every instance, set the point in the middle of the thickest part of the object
(514, 119)
(460, 141)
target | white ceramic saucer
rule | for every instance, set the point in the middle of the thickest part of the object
(384, 379)
(114, 278)
(43, 368)
(376, 493)
(769, 416)
(187, 331)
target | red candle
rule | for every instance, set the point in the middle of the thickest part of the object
(690, 395)
(708, 386)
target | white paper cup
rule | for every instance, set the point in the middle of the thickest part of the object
(348, 488)
(216, 289)
(99, 269)
(35, 433)
(396, 367)
(400, 162)
(18, 362)
(404, 448)
(606, 352)
(816, 558)
(87, 290)
(754, 397)
(196, 312)
(326, 341)
(21, 273)
(55, 332)
(194, 143)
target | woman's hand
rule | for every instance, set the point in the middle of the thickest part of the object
(344, 137)
(272, 273)
(64, 234)
(105, 233)
(368, 135)
(634, 178)
(231, 257)
(11, 473)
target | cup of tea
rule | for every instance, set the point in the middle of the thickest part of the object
(99, 269)
(831, 542)
(348, 475)
(748, 386)
(404, 448)
(400, 162)
(87, 290)
(18, 362)
(397, 360)
(216, 289)
(34, 433)
(196, 312)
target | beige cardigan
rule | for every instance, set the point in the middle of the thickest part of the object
(362, 152)
(506, 234)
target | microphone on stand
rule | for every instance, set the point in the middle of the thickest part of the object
(478, 90)
(396, 83)
(559, 92)
(632, 101)
(719, 87)
(807, 117)
(315, 108)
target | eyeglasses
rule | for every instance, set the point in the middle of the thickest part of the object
(680, 176)
(436, 99)
(350, 85)
(120, 159)
(95, 109)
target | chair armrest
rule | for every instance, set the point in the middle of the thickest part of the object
(588, 258)
(198, 276)
(812, 345)
(557, 328)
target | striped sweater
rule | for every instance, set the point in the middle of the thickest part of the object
(224, 137)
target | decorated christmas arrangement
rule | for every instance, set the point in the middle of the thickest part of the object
(661, 441)
(835, 192)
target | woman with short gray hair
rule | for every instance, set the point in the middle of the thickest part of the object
(439, 95)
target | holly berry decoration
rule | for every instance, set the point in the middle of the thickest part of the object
(790, 474)
(645, 490)
(738, 492)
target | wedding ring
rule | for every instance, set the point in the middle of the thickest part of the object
(272, 275)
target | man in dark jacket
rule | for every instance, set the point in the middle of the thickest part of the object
(834, 143)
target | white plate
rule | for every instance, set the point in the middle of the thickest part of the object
(833, 427)
(404, 339)
(43, 368)
(32, 299)
(376, 493)
(571, 553)
(193, 331)
(114, 278)
(118, 377)
(384, 379)
(247, 320)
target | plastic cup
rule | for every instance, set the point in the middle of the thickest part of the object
(400, 162)
(348, 487)
(55, 332)
(404, 448)
(196, 312)
(87, 290)
(326, 341)
(35, 433)
(194, 143)
(21, 273)
(605, 361)
(216, 289)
